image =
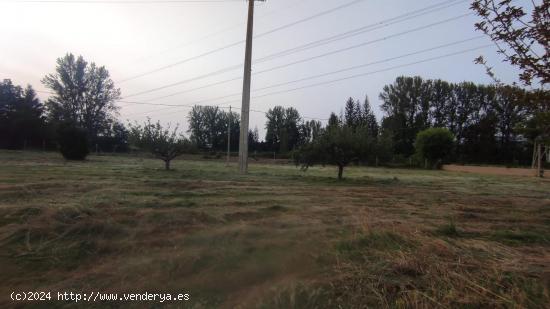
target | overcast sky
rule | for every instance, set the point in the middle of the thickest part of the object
(132, 39)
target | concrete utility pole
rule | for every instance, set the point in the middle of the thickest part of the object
(228, 137)
(245, 110)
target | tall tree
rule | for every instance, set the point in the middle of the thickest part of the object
(283, 128)
(368, 119)
(406, 104)
(208, 127)
(22, 120)
(274, 127)
(352, 113)
(84, 94)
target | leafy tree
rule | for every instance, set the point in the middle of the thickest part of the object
(114, 139)
(384, 147)
(283, 128)
(536, 126)
(310, 131)
(407, 105)
(208, 127)
(84, 94)
(523, 40)
(338, 145)
(434, 144)
(163, 142)
(73, 141)
(253, 140)
(22, 118)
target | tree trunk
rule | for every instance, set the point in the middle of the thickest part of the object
(340, 171)
(167, 164)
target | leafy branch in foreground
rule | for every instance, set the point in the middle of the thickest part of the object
(522, 40)
(164, 143)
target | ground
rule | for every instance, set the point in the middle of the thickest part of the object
(276, 238)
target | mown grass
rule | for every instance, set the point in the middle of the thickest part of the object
(276, 238)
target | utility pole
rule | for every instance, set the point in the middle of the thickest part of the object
(228, 137)
(245, 109)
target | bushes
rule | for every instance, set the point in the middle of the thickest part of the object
(434, 145)
(73, 142)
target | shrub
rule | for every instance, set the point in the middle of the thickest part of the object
(73, 142)
(434, 145)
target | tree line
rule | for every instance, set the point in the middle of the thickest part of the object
(491, 123)
(485, 119)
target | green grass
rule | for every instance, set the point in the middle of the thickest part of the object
(275, 238)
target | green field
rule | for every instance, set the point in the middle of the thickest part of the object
(276, 238)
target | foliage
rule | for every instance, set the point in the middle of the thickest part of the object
(483, 118)
(434, 144)
(163, 142)
(283, 128)
(114, 139)
(536, 127)
(84, 94)
(406, 105)
(22, 118)
(73, 141)
(522, 40)
(339, 145)
(208, 128)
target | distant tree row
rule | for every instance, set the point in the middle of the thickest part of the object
(22, 118)
(491, 123)
(82, 103)
(484, 119)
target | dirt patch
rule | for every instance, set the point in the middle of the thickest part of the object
(490, 170)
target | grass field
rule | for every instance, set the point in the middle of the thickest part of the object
(277, 238)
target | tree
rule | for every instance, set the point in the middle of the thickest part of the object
(338, 145)
(164, 143)
(84, 95)
(310, 131)
(283, 128)
(522, 40)
(253, 140)
(434, 144)
(368, 119)
(114, 139)
(333, 120)
(22, 120)
(352, 113)
(208, 127)
(73, 141)
(406, 104)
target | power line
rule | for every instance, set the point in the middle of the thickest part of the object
(231, 68)
(342, 70)
(374, 72)
(367, 28)
(172, 106)
(324, 82)
(240, 42)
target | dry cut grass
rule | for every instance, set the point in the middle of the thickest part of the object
(277, 238)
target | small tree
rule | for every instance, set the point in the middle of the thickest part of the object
(73, 142)
(338, 145)
(434, 145)
(164, 143)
